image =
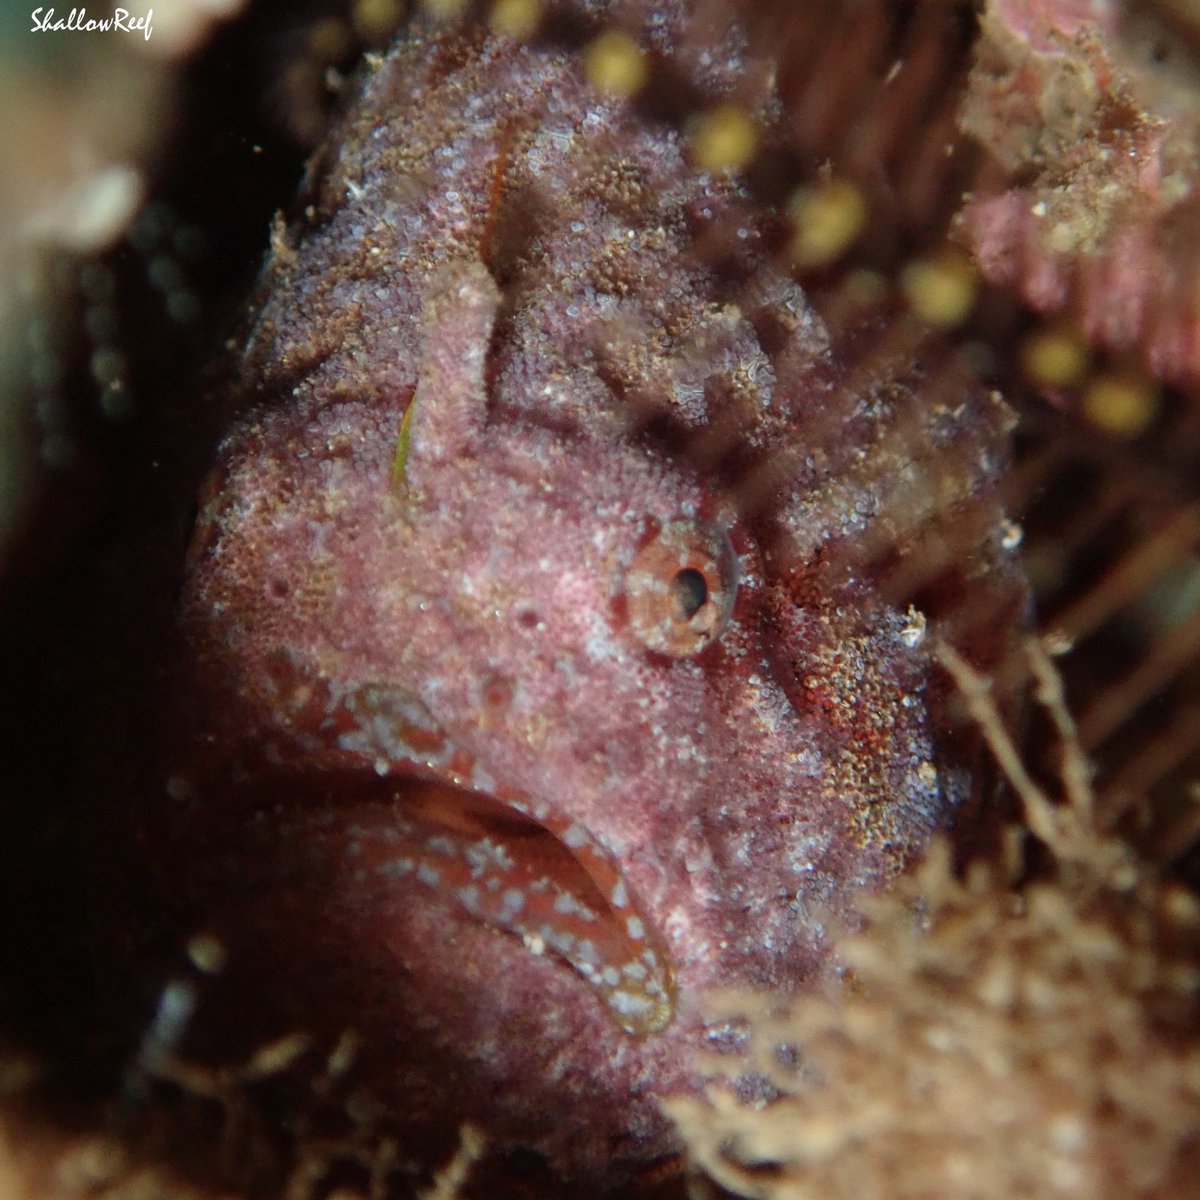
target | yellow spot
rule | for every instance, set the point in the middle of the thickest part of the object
(276, 1056)
(517, 19)
(1055, 357)
(445, 10)
(941, 290)
(1123, 405)
(343, 1055)
(614, 64)
(827, 220)
(1180, 906)
(207, 953)
(723, 140)
(330, 39)
(400, 462)
(376, 19)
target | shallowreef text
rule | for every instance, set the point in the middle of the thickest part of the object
(122, 20)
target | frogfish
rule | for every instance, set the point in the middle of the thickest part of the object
(536, 664)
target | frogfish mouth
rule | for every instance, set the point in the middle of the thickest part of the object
(514, 727)
(499, 855)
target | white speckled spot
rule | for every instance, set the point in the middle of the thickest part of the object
(576, 837)
(630, 1004)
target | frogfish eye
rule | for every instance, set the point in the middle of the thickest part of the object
(681, 587)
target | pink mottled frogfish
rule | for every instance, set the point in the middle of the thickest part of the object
(529, 697)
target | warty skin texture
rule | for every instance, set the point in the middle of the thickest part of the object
(399, 665)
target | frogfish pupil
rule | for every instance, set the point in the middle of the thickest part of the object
(689, 592)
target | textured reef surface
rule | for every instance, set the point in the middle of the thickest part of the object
(1090, 111)
(534, 653)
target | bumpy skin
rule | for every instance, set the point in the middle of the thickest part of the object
(429, 653)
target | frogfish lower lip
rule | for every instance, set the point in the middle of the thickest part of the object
(512, 864)
(503, 857)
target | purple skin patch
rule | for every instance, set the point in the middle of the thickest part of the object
(513, 735)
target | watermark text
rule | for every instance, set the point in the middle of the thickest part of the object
(45, 20)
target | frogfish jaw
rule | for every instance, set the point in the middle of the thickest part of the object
(516, 865)
(350, 909)
(490, 960)
(500, 955)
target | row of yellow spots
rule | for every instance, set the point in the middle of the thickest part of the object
(377, 20)
(721, 141)
(1123, 403)
(828, 218)
(942, 290)
(512, 18)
